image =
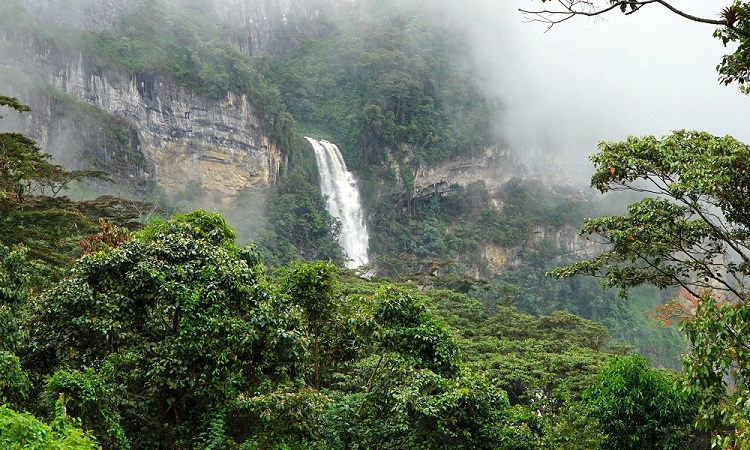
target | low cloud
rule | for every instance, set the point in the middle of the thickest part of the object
(589, 80)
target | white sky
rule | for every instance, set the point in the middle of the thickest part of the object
(588, 80)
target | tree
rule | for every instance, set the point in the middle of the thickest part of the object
(410, 330)
(717, 369)
(23, 431)
(153, 341)
(638, 407)
(33, 211)
(733, 22)
(14, 297)
(408, 408)
(695, 234)
(312, 287)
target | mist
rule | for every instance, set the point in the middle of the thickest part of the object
(567, 88)
(589, 80)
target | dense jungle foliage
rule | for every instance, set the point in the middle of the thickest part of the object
(174, 335)
(177, 338)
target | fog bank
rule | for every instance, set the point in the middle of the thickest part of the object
(588, 80)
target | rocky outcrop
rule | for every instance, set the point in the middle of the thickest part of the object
(567, 241)
(91, 15)
(185, 137)
(278, 26)
(499, 258)
(494, 168)
(180, 137)
(176, 136)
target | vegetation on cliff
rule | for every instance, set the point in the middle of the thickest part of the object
(393, 85)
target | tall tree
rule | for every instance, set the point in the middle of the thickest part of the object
(694, 230)
(637, 407)
(693, 233)
(33, 210)
(154, 340)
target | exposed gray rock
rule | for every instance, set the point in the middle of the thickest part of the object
(180, 136)
(257, 27)
(494, 167)
(278, 26)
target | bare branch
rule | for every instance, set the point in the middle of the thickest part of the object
(570, 8)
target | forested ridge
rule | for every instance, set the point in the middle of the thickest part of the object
(128, 324)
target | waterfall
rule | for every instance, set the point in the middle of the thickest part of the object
(340, 187)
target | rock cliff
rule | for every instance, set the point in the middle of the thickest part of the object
(278, 26)
(565, 239)
(165, 133)
(494, 167)
(179, 136)
(91, 15)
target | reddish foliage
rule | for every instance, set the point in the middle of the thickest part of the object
(109, 234)
(682, 307)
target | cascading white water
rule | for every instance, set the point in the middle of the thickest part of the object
(340, 187)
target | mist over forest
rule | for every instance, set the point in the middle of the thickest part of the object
(344, 224)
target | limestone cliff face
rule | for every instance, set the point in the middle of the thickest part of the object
(499, 258)
(92, 15)
(175, 136)
(565, 238)
(494, 167)
(182, 137)
(278, 26)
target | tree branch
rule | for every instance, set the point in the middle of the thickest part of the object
(587, 8)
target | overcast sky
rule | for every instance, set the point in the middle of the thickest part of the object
(588, 80)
